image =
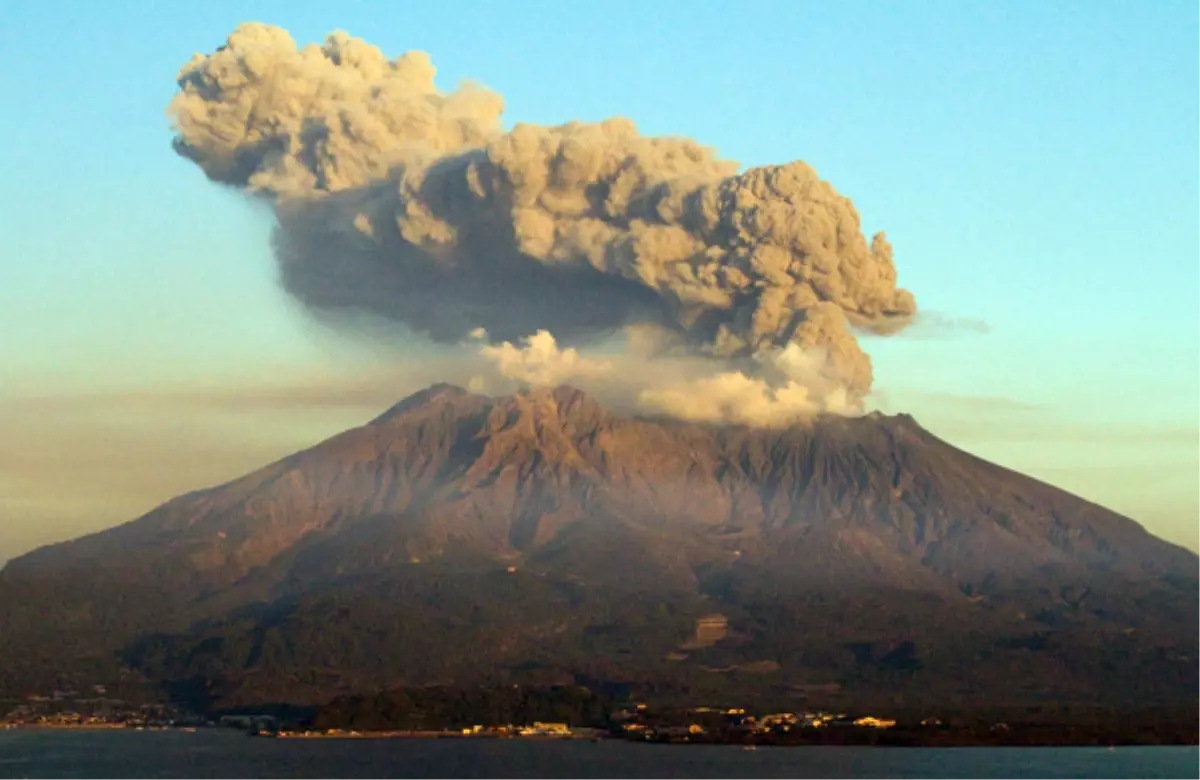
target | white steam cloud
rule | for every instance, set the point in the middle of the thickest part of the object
(398, 200)
(540, 362)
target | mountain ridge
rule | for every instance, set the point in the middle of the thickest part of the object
(621, 516)
(523, 420)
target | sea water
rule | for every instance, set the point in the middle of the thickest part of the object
(224, 753)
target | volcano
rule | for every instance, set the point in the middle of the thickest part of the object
(542, 538)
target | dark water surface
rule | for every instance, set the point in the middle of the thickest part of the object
(221, 753)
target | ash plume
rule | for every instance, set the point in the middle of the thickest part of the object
(398, 200)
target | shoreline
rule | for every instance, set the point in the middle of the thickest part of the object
(428, 735)
(69, 727)
(898, 739)
(97, 727)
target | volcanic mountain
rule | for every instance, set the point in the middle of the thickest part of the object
(539, 537)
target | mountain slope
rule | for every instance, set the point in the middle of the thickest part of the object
(459, 537)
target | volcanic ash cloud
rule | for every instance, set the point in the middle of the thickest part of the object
(400, 201)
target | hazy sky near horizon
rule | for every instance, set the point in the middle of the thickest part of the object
(1035, 165)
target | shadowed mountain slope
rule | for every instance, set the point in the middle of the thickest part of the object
(540, 536)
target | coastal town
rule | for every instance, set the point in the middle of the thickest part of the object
(639, 722)
(633, 722)
(707, 723)
(93, 709)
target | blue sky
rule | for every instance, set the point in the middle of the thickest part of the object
(1034, 164)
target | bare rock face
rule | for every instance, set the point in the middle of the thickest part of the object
(458, 537)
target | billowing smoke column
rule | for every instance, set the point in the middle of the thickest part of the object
(396, 199)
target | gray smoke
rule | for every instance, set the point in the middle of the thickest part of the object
(399, 200)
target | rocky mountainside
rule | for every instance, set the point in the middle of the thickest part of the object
(462, 539)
